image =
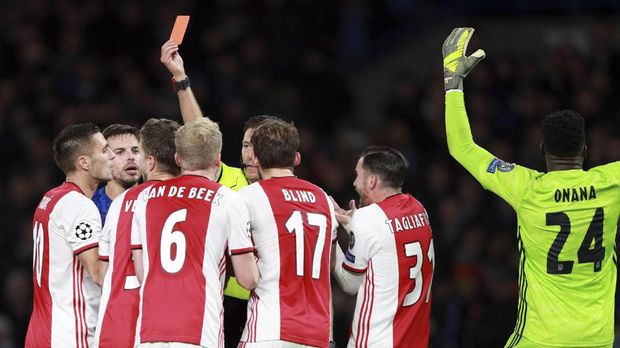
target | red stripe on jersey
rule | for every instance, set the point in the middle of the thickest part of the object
(136, 246)
(40, 327)
(253, 317)
(411, 324)
(242, 251)
(83, 307)
(353, 269)
(371, 278)
(104, 258)
(75, 306)
(173, 295)
(86, 247)
(118, 327)
(303, 298)
(362, 314)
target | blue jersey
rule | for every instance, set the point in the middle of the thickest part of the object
(102, 201)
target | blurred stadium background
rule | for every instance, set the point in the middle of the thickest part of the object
(349, 73)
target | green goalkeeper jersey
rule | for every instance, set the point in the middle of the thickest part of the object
(567, 222)
(233, 178)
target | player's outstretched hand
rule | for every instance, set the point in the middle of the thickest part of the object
(344, 216)
(455, 64)
(172, 60)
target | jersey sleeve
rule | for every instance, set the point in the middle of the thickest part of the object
(109, 227)
(361, 243)
(332, 213)
(137, 222)
(507, 180)
(81, 222)
(238, 216)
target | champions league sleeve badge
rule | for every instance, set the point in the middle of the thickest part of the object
(498, 164)
(83, 231)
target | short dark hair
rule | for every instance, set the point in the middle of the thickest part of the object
(256, 121)
(157, 140)
(564, 133)
(119, 129)
(72, 142)
(275, 143)
(386, 162)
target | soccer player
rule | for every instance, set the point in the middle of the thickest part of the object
(120, 296)
(292, 223)
(66, 231)
(235, 296)
(184, 225)
(390, 252)
(567, 219)
(123, 141)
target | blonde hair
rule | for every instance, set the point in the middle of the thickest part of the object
(198, 144)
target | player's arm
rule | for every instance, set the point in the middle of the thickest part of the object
(137, 224)
(109, 228)
(82, 232)
(246, 271)
(103, 268)
(90, 260)
(348, 281)
(136, 255)
(240, 245)
(505, 179)
(456, 67)
(170, 57)
(350, 269)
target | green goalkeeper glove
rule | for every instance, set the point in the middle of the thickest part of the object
(455, 64)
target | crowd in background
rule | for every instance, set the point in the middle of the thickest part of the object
(64, 62)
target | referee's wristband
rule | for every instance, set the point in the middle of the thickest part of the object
(180, 85)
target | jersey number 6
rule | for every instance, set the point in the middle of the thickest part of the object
(170, 237)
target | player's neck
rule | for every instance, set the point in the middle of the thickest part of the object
(555, 163)
(381, 195)
(158, 175)
(209, 173)
(275, 173)
(113, 189)
(85, 182)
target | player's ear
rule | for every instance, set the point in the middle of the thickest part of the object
(176, 159)
(372, 181)
(218, 160)
(151, 162)
(82, 162)
(297, 159)
(585, 151)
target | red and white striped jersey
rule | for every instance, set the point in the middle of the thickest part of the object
(293, 227)
(183, 225)
(66, 299)
(120, 296)
(392, 243)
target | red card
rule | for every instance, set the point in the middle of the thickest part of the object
(178, 31)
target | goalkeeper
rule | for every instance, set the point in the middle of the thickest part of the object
(567, 219)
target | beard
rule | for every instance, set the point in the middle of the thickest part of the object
(127, 182)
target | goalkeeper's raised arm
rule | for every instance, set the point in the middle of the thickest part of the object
(456, 65)
(478, 161)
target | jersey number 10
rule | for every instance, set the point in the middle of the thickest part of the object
(586, 252)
